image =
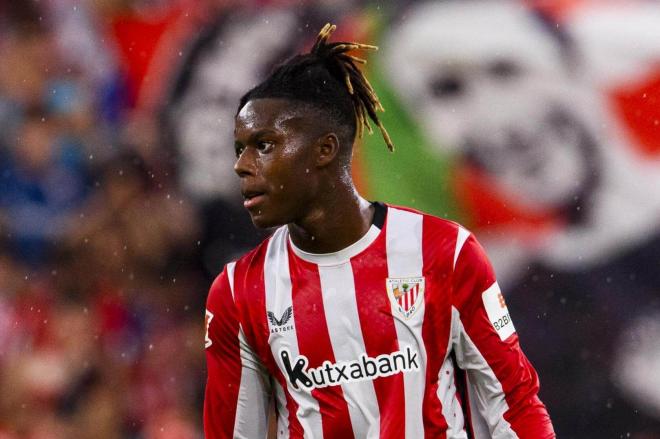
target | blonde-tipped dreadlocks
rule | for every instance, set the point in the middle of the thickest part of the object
(364, 97)
(329, 78)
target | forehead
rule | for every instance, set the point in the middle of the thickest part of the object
(272, 114)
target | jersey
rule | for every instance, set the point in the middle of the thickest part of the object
(404, 334)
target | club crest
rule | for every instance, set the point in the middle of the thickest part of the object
(405, 293)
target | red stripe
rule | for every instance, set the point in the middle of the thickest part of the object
(314, 343)
(223, 363)
(250, 293)
(526, 414)
(379, 333)
(438, 239)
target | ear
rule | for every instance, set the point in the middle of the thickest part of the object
(327, 148)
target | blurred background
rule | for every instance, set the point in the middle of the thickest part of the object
(534, 123)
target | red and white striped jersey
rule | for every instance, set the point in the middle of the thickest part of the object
(403, 334)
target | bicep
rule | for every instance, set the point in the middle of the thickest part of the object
(237, 387)
(486, 346)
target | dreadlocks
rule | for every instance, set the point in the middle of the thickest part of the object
(328, 77)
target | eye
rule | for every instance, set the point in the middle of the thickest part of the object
(448, 86)
(265, 145)
(238, 149)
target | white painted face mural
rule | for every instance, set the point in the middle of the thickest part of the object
(534, 112)
(489, 84)
(225, 65)
(508, 96)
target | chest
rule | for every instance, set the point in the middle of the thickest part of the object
(352, 312)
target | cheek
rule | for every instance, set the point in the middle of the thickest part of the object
(290, 174)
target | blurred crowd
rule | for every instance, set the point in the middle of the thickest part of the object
(118, 204)
(101, 291)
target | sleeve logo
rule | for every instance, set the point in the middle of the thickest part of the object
(280, 325)
(207, 322)
(497, 311)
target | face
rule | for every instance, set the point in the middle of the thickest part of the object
(275, 161)
(497, 97)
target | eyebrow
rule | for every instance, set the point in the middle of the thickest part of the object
(258, 134)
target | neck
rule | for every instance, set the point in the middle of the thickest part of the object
(337, 221)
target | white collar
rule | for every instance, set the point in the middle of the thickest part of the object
(339, 256)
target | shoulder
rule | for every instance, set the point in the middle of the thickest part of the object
(253, 259)
(440, 239)
(434, 229)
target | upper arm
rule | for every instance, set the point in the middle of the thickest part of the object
(237, 387)
(486, 346)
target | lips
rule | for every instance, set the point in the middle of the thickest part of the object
(252, 198)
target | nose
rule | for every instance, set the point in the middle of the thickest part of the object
(245, 163)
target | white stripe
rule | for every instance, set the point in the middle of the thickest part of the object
(341, 312)
(488, 395)
(230, 276)
(404, 259)
(253, 395)
(461, 237)
(477, 421)
(282, 412)
(451, 408)
(278, 298)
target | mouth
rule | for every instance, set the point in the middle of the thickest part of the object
(252, 198)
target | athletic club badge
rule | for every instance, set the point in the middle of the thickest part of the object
(405, 293)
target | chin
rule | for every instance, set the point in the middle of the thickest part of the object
(265, 222)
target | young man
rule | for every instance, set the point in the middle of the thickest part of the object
(360, 320)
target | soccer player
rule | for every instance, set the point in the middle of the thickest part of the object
(358, 319)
